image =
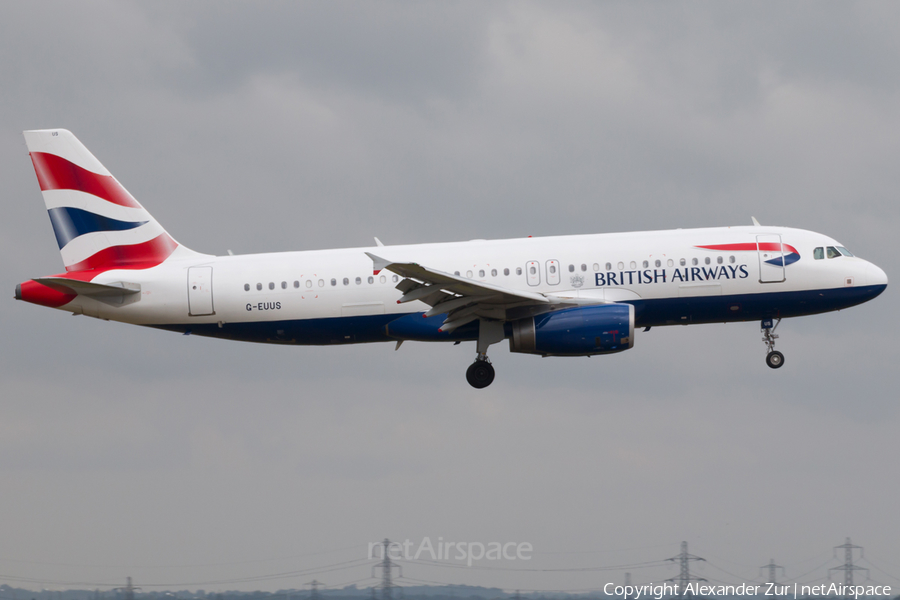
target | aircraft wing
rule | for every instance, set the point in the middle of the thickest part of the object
(465, 300)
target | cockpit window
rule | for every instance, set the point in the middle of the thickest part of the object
(832, 252)
(844, 251)
(819, 253)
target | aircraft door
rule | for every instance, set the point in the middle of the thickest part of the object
(771, 258)
(200, 298)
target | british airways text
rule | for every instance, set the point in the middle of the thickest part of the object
(663, 275)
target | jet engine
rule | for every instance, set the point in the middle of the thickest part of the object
(580, 331)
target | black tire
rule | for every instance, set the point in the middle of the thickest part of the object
(775, 359)
(480, 374)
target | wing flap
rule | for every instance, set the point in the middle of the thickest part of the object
(455, 303)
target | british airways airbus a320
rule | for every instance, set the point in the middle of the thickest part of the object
(553, 296)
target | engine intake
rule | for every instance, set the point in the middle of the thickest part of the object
(580, 331)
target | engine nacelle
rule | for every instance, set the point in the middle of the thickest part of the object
(580, 331)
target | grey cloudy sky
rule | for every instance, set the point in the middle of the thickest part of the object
(291, 126)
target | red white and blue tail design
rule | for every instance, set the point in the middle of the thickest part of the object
(98, 224)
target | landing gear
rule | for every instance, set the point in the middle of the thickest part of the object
(480, 373)
(774, 358)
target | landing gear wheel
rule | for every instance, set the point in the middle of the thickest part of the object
(480, 374)
(774, 359)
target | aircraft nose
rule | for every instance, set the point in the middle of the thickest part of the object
(875, 275)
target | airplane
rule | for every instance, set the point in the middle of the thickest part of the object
(577, 295)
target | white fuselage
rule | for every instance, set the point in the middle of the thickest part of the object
(579, 295)
(642, 268)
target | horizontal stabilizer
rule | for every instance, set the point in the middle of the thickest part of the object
(87, 288)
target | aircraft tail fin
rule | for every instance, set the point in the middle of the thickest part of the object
(98, 224)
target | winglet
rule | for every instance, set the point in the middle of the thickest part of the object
(378, 263)
(755, 222)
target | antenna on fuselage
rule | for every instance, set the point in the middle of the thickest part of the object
(755, 222)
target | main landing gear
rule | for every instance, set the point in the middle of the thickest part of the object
(480, 373)
(774, 358)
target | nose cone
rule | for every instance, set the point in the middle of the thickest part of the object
(876, 276)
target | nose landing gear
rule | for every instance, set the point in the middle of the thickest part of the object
(774, 358)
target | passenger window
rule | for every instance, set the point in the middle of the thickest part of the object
(334, 282)
(358, 280)
(506, 272)
(706, 260)
(731, 259)
(456, 273)
(832, 252)
(382, 279)
(596, 267)
(321, 283)
(469, 274)
(682, 262)
(296, 284)
(532, 270)
(609, 266)
(646, 264)
(284, 285)
(493, 272)
(346, 281)
(621, 265)
(518, 270)
(584, 267)
(633, 265)
(271, 285)
(553, 269)
(571, 268)
(395, 278)
(694, 261)
(246, 287)
(309, 283)
(671, 263)
(720, 260)
(481, 273)
(371, 279)
(258, 287)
